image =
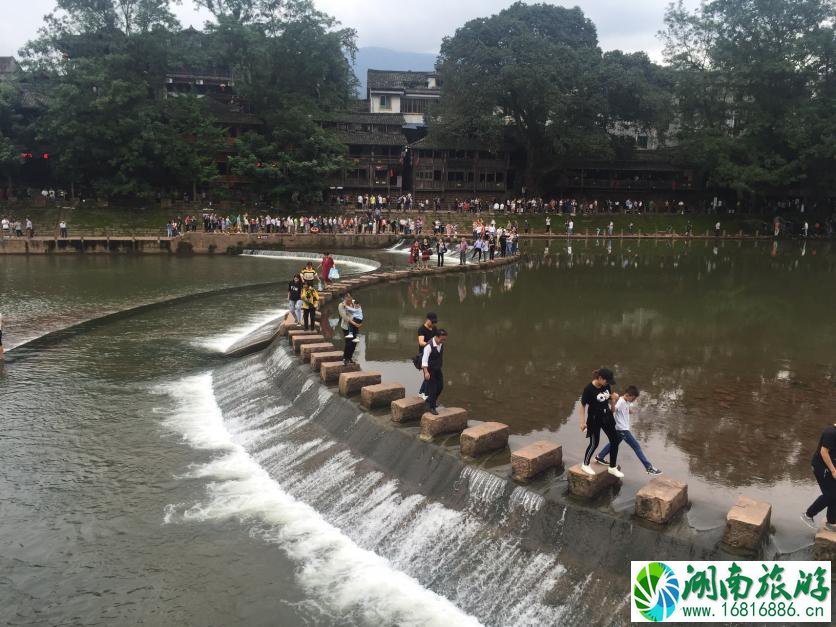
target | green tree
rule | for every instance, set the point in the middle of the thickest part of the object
(296, 65)
(10, 133)
(755, 87)
(533, 78)
(527, 76)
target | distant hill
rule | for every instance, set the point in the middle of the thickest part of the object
(385, 59)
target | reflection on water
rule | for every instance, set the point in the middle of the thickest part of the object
(731, 344)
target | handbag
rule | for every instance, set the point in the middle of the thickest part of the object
(333, 273)
(416, 361)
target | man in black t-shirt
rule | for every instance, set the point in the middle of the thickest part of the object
(824, 470)
(294, 298)
(426, 332)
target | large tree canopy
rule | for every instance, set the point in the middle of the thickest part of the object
(756, 91)
(112, 129)
(533, 76)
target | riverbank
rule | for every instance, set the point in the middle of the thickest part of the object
(234, 243)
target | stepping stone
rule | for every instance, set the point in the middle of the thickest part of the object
(296, 332)
(310, 349)
(824, 546)
(409, 408)
(489, 436)
(317, 359)
(381, 395)
(285, 327)
(661, 499)
(300, 340)
(448, 420)
(353, 382)
(331, 371)
(588, 486)
(531, 460)
(747, 523)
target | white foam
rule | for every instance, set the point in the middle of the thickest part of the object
(364, 265)
(220, 343)
(332, 568)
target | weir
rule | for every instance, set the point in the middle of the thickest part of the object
(448, 511)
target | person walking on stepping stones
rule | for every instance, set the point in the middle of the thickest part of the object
(345, 325)
(597, 402)
(426, 332)
(824, 470)
(431, 363)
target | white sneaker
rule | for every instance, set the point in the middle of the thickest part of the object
(349, 336)
(356, 340)
(422, 395)
(615, 472)
(587, 469)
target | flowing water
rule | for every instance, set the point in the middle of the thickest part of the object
(145, 479)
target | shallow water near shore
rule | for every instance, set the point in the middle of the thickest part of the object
(145, 479)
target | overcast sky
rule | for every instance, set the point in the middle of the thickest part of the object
(409, 26)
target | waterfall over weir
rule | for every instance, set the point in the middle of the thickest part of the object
(378, 543)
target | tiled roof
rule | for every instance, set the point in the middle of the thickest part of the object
(360, 138)
(195, 72)
(8, 65)
(386, 79)
(356, 117)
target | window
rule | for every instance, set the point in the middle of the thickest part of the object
(425, 154)
(436, 175)
(642, 141)
(425, 175)
(415, 105)
(500, 177)
(355, 150)
(470, 177)
(361, 174)
(385, 102)
(455, 176)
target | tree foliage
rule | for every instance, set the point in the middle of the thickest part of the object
(754, 81)
(532, 77)
(112, 129)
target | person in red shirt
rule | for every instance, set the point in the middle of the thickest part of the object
(325, 267)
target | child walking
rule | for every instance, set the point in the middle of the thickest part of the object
(597, 401)
(623, 407)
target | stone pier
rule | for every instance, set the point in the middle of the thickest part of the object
(481, 439)
(589, 486)
(330, 372)
(448, 420)
(300, 340)
(352, 382)
(824, 546)
(317, 359)
(409, 408)
(747, 523)
(531, 460)
(297, 331)
(661, 500)
(381, 395)
(308, 350)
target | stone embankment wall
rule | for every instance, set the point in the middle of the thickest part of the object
(199, 243)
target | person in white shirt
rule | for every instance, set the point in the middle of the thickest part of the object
(432, 361)
(622, 426)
